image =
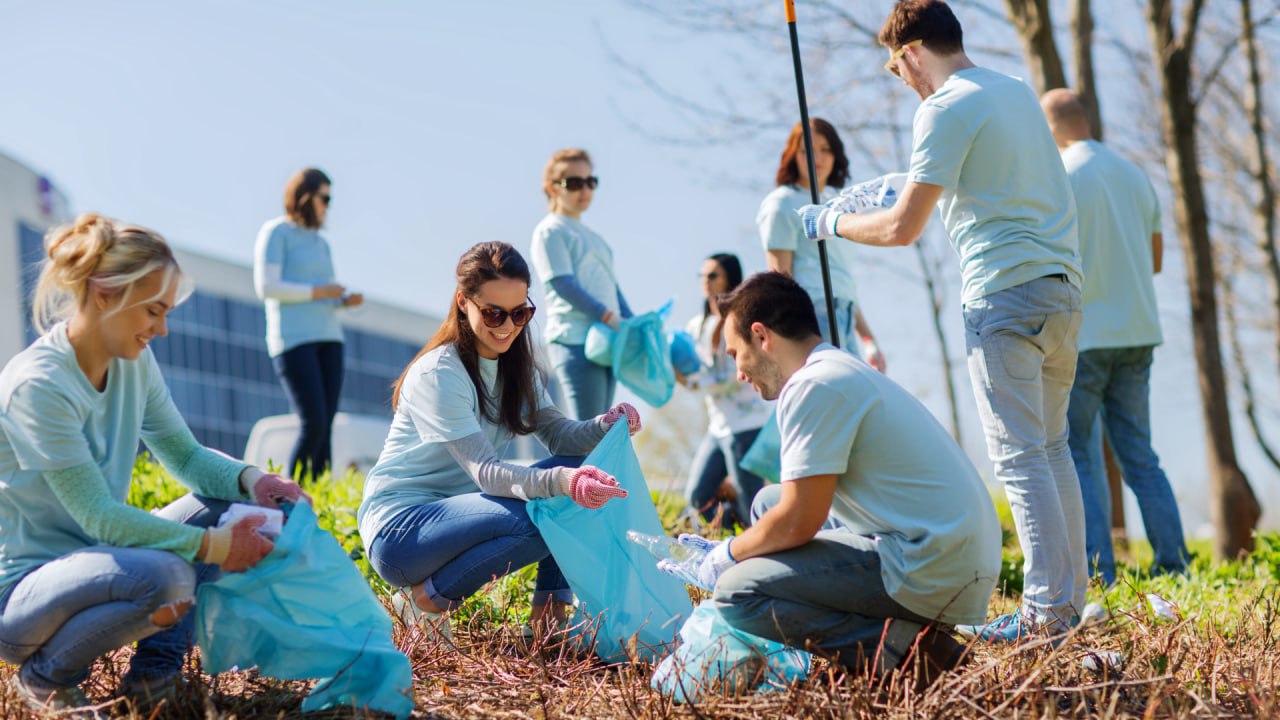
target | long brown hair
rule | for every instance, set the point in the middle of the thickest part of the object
(299, 191)
(518, 371)
(788, 170)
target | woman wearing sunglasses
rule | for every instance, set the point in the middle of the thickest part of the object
(442, 514)
(293, 274)
(735, 410)
(575, 266)
(788, 251)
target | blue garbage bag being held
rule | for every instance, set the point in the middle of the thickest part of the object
(306, 612)
(715, 656)
(764, 457)
(684, 353)
(639, 352)
(629, 603)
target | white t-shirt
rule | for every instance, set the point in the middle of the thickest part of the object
(780, 229)
(438, 404)
(732, 406)
(564, 246)
(902, 480)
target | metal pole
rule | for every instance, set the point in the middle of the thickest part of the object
(808, 157)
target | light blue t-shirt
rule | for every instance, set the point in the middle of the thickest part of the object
(902, 480)
(780, 229)
(303, 256)
(564, 246)
(438, 404)
(1006, 201)
(1119, 212)
(52, 418)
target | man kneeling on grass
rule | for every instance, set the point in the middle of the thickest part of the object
(881, 533)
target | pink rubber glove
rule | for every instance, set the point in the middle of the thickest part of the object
(590, 486)
(617, 412)
(238, 547)
(268, 489)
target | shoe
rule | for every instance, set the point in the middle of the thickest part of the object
(148, 694)
(933, 653)
(69, 702)
(1008, 628)
(434, 627)
(1094, 614)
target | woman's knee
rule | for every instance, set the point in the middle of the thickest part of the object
(171, 583)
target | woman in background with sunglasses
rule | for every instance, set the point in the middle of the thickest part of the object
(293, 274)
(575, 266)
(788, 251)
(442, 514)
(735, 411)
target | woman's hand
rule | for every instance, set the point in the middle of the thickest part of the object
(589, 486)
(619, 411)
(270, 489)
(237, 547)
(872, 353)
(328, 291)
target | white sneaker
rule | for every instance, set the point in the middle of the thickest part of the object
(1094, 614)
(435, 627)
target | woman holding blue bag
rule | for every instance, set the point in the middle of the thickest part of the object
(442, 513)
(575, 266)
(734, 410)
(83, 573)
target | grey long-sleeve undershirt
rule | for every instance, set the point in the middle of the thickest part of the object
(562, 436)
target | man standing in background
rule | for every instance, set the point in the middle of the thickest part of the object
(1120, 247)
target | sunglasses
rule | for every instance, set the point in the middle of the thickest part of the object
(325, 199)
(896, 55)
(497, 317)
(574, 184)
(713, 275)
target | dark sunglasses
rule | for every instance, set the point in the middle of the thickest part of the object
(325, 199)
(574, 184)
(497, 317)
(713, 275)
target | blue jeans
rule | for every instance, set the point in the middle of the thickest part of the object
(456, 545)
(827, 592)
(312, 377)
(1116, 381)
(63, 615)
(716, 458)
(845, 316)
(1022, 361)
(587, 387)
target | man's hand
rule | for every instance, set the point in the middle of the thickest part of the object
(819, 221)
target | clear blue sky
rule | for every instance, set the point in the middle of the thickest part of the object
(434, 120)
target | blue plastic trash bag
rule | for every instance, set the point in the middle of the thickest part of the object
(599, 345)
(684, 353)
(642, 357)
(306, 612)
(764, 457)
(716, 657)
(620, 590)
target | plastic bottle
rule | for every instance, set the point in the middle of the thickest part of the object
(664, 548)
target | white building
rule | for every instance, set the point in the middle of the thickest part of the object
(214, 358)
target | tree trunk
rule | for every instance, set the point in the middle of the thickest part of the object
(1082, 45)
(1265, 210)
(1035, 27)
(1233, 506)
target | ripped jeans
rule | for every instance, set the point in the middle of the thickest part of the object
(63, 615)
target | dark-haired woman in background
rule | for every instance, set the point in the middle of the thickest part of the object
(734, 410)
(442, 514)
(293, 274)
(787, 250)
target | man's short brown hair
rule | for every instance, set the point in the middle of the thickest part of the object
(930, 21)
(774, 300)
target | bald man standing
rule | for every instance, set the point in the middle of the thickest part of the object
(1120, 246)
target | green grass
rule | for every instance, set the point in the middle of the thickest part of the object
(1217, 659)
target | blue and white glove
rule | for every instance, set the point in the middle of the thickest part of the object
(819, 221)
(706, 573)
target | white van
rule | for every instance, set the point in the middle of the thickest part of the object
(357, 441)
